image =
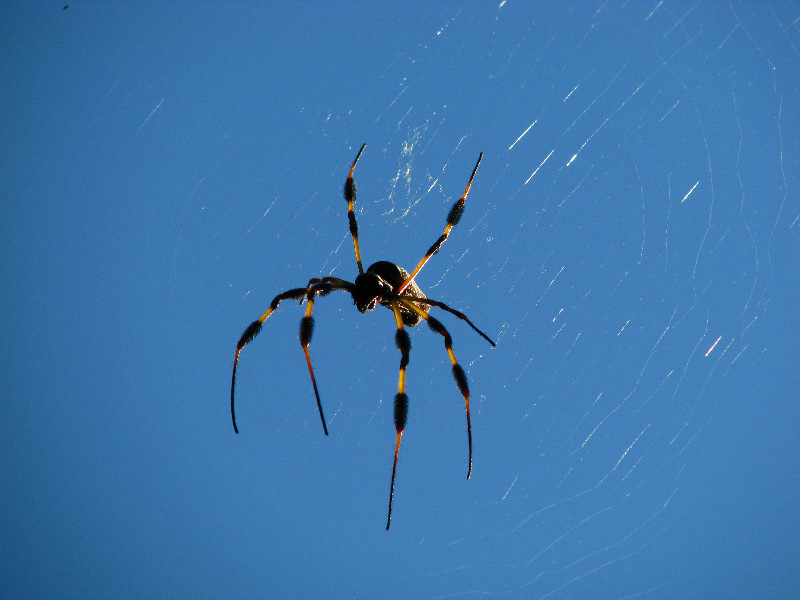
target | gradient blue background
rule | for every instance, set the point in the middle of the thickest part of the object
(167, 168)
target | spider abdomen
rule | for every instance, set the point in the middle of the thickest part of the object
(395, 275)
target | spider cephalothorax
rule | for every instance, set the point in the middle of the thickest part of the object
(383, 280)
(389, 285)
(369, 288)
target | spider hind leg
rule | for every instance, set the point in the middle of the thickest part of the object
(453, 217)
(458, 372)
(403, 343)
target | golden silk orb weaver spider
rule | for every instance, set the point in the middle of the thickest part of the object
(389, 285)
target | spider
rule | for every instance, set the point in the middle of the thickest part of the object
(389, 285)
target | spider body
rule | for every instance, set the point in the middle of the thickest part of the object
(381, 283)
(389, 285)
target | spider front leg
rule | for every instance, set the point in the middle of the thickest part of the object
(315, 286)
(350, 197)
(306, 330)
(252, 331)
(323, 287)
(458, 371)
(403, 343)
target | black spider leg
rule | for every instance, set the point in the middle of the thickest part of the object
(252, 331)
(315, 287)
(322, 286)
(350, 196)
(403, 343)
(453, 217)
(452, 311)
(458, 371)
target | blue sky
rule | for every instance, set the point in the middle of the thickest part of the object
(631, 241)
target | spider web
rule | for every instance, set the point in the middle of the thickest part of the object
(630, 241)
